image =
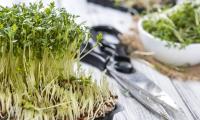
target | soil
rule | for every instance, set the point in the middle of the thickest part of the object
(107, 107)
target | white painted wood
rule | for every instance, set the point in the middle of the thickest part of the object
(189, 91)
(98, 15)
(6, 2)
(164, 82)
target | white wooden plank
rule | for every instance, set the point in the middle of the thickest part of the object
(195, 87)
(165, 83)
(6, 3)
(189, 92)
(97, 15)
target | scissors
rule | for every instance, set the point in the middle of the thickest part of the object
(111, 57)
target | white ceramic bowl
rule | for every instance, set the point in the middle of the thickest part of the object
(190, 55)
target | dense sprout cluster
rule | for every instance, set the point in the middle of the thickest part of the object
(180, 26)
(39, 48)
(38, 28)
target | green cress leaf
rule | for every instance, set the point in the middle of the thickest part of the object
(185, 27)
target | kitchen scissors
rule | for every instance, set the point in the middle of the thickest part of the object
(111, 57)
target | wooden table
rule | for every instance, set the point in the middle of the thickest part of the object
(185, 94)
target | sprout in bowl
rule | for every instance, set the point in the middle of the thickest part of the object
(174, 35)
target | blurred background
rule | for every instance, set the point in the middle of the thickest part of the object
(116, 13)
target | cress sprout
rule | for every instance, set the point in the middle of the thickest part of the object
(39, 48)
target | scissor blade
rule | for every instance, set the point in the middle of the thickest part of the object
(150, 87)
(148, 94)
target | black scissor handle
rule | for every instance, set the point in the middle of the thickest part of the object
(95, 58)
(99, 56)
(123, 64)
(105, 28)
(107, 52)
(108, 46)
